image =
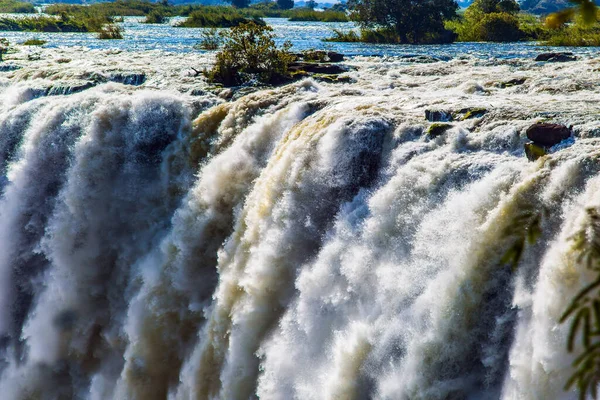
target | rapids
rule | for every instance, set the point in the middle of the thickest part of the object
(161, 239)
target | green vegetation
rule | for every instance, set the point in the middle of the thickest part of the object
(110, 31)
(489, 21)
(14, 6)
(34, 42)
(218, 17)
(49, 24)
(379, 35)
(137, 8)
(413, 21)
(210, 39)
(4, 46)
(249, 54)
(285, 4)
(584, 310)
(156, 17)
(311, 15)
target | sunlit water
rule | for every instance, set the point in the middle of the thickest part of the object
(303, 35)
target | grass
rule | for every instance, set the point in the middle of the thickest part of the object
(218, 17)
(47, 24)
(574, 36)
(13, 6)
(156, 17)
(380, 35)
(301, 14)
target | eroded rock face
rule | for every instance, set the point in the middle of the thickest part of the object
(556, 57)
(545, 134)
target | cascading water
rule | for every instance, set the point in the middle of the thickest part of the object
(307, 242)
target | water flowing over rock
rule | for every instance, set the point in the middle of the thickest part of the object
(310, 241)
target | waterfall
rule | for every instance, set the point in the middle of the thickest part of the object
(311, 241)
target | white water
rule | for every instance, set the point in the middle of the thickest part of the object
(305, 242)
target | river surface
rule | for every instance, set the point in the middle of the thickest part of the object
(165, 238)
(303, 35)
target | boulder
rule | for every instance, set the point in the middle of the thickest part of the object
(438, 116)
(547, 135)
(317, 68)
(320, 56)
(556, 57)
(511, 83)
(437, 129)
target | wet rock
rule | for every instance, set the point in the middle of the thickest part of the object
(547, 135)
(69, 88)
(333, 78)
(468, 113)
(533, 151)
(320, 56)
(422, 59)
(556, 57)
(9, 67)
(317, 68)
(438, 115)
(133, 79)
(511, 83)
(437, 129)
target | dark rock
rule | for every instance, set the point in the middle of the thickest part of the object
(533, 151)
(469, 112)
(512, 82)
(416, 58)
(9, 67)
(547, 135)
(556, 57)
(317, 68)
(134, 79)
(67, 89)
(320, 56)
(438, 116)
(437, 129)
(332, 78)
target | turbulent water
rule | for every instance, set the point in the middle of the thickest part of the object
(160, 238)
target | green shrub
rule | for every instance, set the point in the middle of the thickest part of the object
(210, 40)
(48, 24)
(217, 17)
(305, 14)
(249, 53)
(498, 27)
(574, 36)
(156, 17)
(12, 6)
(110, 31)
(34, 42)
(4, 46)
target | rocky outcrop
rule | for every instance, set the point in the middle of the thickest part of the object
(437, 129)
(556, 57)
(317, 68)
(546, 134)
(438, 115)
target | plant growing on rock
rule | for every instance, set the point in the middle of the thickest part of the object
(249, 54)
(210, 39)
(4, 45)
(110, 31)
